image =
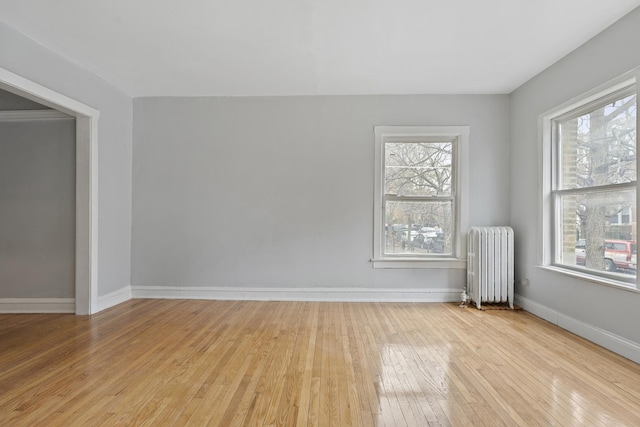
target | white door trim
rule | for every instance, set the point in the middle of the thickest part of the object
(86, 298)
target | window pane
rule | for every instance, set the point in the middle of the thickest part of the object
(599, 147)
(418, 228)
(591, 240)
(418, 169)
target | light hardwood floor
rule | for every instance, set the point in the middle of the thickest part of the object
(172, 362)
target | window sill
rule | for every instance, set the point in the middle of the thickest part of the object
(606, 281)
(450, 263)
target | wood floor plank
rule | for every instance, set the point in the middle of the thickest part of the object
(237, 363)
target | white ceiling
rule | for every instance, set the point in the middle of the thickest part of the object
(313, 47)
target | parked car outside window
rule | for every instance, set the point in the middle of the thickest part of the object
(618, 255)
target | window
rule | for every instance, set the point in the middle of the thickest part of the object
(590, 207)
(420, 201)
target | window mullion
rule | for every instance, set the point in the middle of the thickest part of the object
(395, 198)
(598, 189)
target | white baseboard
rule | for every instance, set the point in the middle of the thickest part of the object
(298, 294)
(114, 298)
(604, 338)
(37, 305)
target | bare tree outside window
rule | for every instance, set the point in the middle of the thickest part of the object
(418, 197)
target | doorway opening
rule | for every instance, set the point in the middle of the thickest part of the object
(86, 243)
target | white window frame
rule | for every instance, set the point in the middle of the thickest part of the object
(548, 246)
(460, 137)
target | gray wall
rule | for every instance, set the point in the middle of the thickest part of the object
(608, 55)
(37, 209)
(278, 191)
(10, 101)
(31, 60)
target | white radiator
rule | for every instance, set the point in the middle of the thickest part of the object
(490, 265)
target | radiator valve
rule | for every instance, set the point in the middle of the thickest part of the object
(464, 297)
